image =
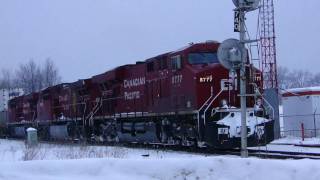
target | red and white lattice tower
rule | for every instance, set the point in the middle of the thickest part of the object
(268, 44)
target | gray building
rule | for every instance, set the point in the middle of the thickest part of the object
(5, 96)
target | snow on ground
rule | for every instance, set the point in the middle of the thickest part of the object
(288, 148)
(54, 162)
(298, 141)
(217, 168)
(293, 144)
(17, 151)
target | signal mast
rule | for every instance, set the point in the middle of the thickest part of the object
(233, 55)
(243, 6)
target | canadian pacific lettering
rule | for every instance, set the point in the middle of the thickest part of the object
(132, 95)
(134, 82)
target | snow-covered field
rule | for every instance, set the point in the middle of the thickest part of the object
(52, 162)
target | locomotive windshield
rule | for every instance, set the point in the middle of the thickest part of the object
(203, 58)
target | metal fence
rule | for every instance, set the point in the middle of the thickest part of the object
(306, 133)
(300, 125)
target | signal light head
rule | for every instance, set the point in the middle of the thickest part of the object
(247, 5)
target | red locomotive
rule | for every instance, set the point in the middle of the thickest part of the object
(182, 97)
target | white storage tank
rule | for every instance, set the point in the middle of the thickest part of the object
(301, 110)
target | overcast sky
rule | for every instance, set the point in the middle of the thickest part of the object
(87, 37)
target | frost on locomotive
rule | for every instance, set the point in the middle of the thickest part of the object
(184, 97)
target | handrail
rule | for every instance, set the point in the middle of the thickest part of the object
(270, 106)
(207, 99)
(205, 111)
(84, 114)
(203, 107)
(94, 111)
(91, 113)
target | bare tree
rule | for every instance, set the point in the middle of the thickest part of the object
(316, 80)
(297, 78)
(39, 79)
(28, 76)
(283, 77)
(300, 78)
(50, 74)
(32, 77)
(6, 79)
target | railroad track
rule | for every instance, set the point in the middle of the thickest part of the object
(263, 154)
(284, 154)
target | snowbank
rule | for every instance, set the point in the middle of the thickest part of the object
(13, 151)
(52, 162)
(220, 168)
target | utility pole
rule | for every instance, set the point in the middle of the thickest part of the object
(243, 6)
(243, 84)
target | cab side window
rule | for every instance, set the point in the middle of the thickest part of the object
(163, 64)
(176, 62)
